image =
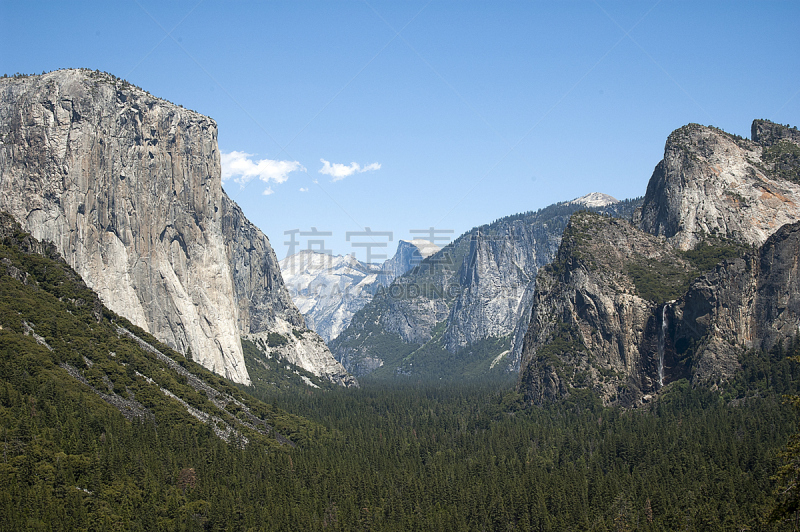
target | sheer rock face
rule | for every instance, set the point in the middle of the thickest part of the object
(408, 255)
(264, 305)
(711, 182)
(477, 288)
(127, 186)
(262, 300)
(590, 327)
(750, 302)
(599, 318)
(497, 284)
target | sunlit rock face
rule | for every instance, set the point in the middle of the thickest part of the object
(128, 188)
(711, 182)
(627, 308)
(330, 289)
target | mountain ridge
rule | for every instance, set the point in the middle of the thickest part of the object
(467, 298)
(128, 187)
(702, 275)
(329, 289)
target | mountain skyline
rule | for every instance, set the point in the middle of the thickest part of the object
(401, 117)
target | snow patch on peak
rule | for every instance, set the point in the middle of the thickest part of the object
(595, 199)
(329, 289)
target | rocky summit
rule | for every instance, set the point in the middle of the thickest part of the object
(595, 199)
(127, 186)
(706, 271)
(330, 289)
(714, 183)
(463, 311)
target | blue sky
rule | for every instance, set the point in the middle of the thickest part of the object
(456, 113)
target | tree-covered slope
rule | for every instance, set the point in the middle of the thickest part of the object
(102, 426)
(91, 444)
(463, 311)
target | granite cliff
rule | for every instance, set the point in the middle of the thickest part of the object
(703, 274)
(409, 254)
(714, 183)
(265, 307)
(127, 186)
(750, 302)
(595, 313)
(458, 312)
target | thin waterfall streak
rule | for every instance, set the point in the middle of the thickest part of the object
(662, 340)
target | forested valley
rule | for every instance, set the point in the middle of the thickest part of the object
(419, 457)
(97, 435)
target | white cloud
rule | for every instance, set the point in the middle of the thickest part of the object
(303, 189)
(239, 166)
(339, 171)
(268, 191)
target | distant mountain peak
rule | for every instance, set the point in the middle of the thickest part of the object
(595, 199)
(426, 248)
(330, 289)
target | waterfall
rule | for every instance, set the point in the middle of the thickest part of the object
(662, 340)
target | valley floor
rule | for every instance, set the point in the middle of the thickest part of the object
(471, 457)
(404, 457)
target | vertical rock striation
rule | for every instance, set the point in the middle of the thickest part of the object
(262, 300)
(625, 310)
(497, 280)
(751, 302)
(127, 186)
(714, 183)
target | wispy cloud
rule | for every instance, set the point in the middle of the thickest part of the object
(241, 168)
(339, 171)
(303, 189)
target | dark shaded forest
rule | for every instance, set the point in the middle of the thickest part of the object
(92, 440)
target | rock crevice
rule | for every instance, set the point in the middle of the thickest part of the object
(127, 186)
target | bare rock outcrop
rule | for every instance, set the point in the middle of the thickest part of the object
(496, 279)
(714, 183)
(127, 186)
(751, 302)
(710, 271)
(593, 321)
